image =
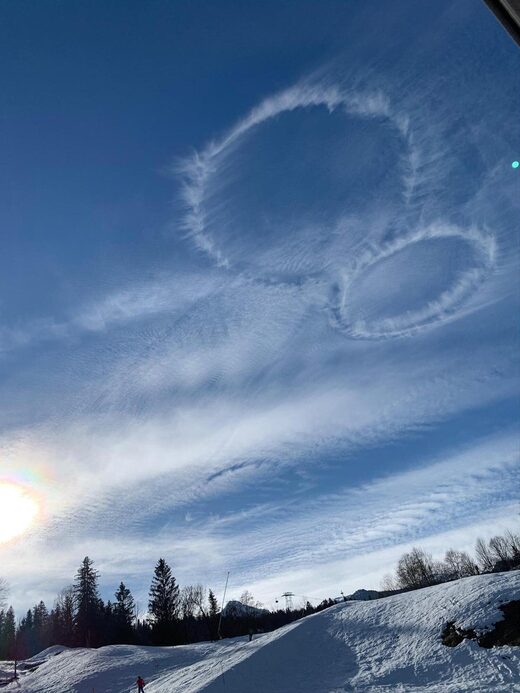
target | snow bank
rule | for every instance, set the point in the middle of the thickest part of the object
(48, 653)
(385, 645)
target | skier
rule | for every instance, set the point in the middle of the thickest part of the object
(140, 685)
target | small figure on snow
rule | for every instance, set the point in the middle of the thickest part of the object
(140, 685)
(250, 634)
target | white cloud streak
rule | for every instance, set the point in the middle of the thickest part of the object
(204, 385)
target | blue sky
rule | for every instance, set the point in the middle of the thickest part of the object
(258, 288)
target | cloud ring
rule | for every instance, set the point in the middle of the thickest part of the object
(203, 167)
(439, 309)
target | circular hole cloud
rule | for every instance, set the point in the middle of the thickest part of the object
(308, 185)
(282, 192)
(273, 196)
(411, 283)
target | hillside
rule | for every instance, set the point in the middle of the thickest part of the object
(391, 644)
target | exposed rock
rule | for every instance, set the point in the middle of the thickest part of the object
(505, 632)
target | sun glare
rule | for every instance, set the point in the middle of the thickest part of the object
(18, 510)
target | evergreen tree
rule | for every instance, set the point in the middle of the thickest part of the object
(109, 625)
(213, 604)
(40, 627)
(55, 625)
(163, 603)
(212, 615)
(8, 636)
(88, 604)
(27, 622)
(26, 636)
(124, 613)
(64, 618)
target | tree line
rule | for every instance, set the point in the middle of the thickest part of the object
(80, 618)
(417, 568)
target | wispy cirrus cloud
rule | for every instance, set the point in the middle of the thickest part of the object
(130, 304)
(353, 303)
(351, 536)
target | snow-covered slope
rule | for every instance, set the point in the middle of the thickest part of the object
(391, 644)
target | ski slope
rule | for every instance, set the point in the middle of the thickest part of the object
(390, 644)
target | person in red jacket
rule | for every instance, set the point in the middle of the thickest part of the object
(140, 685)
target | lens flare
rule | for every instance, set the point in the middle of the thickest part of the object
(18, 510)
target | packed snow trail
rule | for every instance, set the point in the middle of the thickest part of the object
(385, 645)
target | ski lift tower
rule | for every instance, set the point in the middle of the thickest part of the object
(288, 600)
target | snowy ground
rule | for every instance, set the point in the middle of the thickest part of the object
(390, 644)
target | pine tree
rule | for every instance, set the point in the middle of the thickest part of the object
(163, 602)
(8, 636)
(88, 604)
(124, 613)
(109, 624)
(26, 636)
(213, 604)
(65, 617)
(212, 615)
(27, 622)
(41, 627)
(56, 624)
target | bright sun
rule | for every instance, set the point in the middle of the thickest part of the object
(18, 510)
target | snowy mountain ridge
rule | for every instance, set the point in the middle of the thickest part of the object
(236, 609)
(363, 595)
(377, 646)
